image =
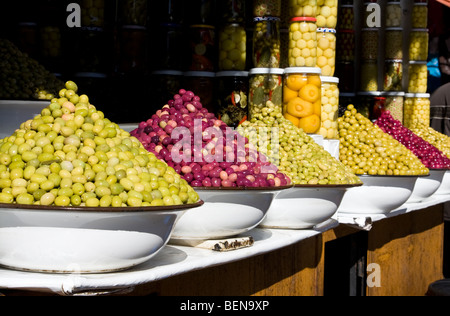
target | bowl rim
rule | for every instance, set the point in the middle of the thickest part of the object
(237, 189)
(174, 208)
(393, 176)
(329, 186)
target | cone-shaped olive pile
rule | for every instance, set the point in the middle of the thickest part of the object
(430, 156)
(439, 140)
(24, 78)
(203, 149)
(369, 151)
(71, 155)
(293, 151)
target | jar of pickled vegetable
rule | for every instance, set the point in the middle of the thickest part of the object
(370, 40)
(170, 40)
(417, 109)
(202, 83)
(330, 108)
(393, 75)
(51, 44)
(133, 41)
(369, 76)
(202, 39)
(201, 12)
(302, 98)
(419, 41)
(366, 102)
(395, 104)
(303, 8)
(326, 51)
(394, 43)
(232, 11)
(420, 16)
(346, 48)
(93, 13)
(378, 108)
(394, 14)
(265, 84)
(418, 77)
(232, 47)
(346, 17)
(327, 13)
(232, 97)
(262, 8)
(303, 42)
(266, 42)
(134, 12)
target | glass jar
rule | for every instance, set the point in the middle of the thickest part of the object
(394, 43)
(370, 40)
(232, 97)
(303, 42)
(345, 99)
(346, 17)
(265, 84)
(327, 13)
(393, 75)
(378, 108)
(201, 12)
(93, 13)
(420, 16)
(418, 77)
(134, 12)
(417, 109)
(165, 84)
(232, 47)
(395, 104)
(366, 102)
(232, 11)
(303, 8)
(419, 41)
(133, 41)
(369, 76)
(267, 8)
(266, 43)
(302, 98)
(170, 40)
(346, 45)
(202, 39)
(202, 83)
(326, 51)
(330, 108)
(394, 14)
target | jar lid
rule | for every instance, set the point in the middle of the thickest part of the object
(393, 60)
(423, 4)
(369, 93)
(420, 30)
(232, 74)
(393, 2)
(326, 79)
(347, 94)
(266, 71)
(418, 62)
(325, 30)
(266, 18)
(303, 19)
(418, 95)
(394, 29)
(168, 72)
(393, 94)
(134, 27)
(303, 70)
(370, 29)
(200, 74)
(202, 26)
(90, 75)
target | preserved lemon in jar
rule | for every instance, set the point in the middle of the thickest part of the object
(326, 51)
(330, 108)
(419, 42)
(232, 47)
(327, 13)
(417, 109)
(303, 42)
(302, 98)
(418, 77)
(303, 8)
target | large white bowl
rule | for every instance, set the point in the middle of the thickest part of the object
(378, 195)
(14, 113)
(225, 214)
(426, 187)
(445, 186)
(83, 240)
(304, 207)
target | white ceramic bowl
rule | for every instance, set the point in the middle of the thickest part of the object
(225, 214)
(445, 186)
(304, 207)
(83, 240)
(426, 187)
(14, 113)
(378, 195)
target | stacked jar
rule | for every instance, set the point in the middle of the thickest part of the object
(330, 107)
(345, 53)
(418, 77)
(369, 59)
(417, 109)
(266, 34)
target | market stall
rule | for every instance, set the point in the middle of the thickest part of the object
(260, 152)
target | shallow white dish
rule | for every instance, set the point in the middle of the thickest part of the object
(83, 240)
(226, 213)
(426, 187)
(304, 207)
(378, 195)
(445, 186)
(14, 113)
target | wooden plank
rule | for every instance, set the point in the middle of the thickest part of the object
(409, 252)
